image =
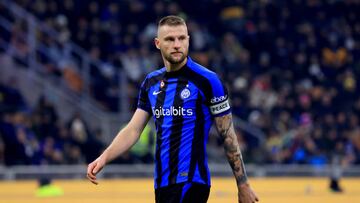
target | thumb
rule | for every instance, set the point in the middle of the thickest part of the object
(97, 168)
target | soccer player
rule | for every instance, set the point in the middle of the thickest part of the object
(184, 98)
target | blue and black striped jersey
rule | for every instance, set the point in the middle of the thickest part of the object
(183, 104)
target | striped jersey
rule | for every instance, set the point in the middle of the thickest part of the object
(183, 104)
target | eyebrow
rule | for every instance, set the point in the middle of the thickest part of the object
(173, 37)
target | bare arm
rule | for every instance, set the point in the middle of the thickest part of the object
(123, 141)
(226, 130)
(224, 125)
(128, 136)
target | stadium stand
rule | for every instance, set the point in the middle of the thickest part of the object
(292, 69)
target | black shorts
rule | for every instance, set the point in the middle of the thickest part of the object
(183, 193)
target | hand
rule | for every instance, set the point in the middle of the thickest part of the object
(94, 168)
(246, 194)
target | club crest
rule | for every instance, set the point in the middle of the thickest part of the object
(185, 93)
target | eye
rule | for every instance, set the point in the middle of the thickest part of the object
(182, 38)
(169, 39)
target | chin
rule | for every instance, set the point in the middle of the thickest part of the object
(177, 60)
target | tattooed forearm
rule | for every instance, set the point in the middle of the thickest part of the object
(226, 130)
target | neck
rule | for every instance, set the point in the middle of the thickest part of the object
(174, 67)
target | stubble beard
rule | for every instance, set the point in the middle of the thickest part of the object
(175, 61)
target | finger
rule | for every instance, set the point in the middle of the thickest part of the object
(94, 182)
(89, 171)
(96, 169)
(92, 179)
(90, 168)
(256, 198)
(91, 176)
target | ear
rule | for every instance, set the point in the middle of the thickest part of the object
(157, 43)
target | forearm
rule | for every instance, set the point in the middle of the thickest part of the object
(234, 156)
(232, 149)
(123, 141)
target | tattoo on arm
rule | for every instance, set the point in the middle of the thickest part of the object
(226, 130)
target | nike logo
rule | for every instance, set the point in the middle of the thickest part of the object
(157, 92)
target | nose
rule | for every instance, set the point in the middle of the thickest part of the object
(177, 44)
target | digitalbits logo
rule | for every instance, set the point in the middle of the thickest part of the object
(172, 111)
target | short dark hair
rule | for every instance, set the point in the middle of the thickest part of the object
(171, 20)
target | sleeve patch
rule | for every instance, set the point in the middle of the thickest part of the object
(219, 108)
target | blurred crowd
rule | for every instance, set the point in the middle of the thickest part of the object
(292, 67)
(35, 135)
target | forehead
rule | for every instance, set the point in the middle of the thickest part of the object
(173, 31)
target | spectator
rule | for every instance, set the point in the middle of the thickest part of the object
(278, 62)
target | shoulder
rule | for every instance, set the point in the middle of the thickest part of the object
(153, 77)
(155, 73)
(201, 70)
(201, 73)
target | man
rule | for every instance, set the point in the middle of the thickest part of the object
(184, 98)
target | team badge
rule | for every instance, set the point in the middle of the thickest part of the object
(162, 84)
(185, 93)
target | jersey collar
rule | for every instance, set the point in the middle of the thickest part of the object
(179, 72)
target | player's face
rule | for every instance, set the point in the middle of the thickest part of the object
(173, 42)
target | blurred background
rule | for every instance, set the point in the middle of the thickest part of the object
(70, 71)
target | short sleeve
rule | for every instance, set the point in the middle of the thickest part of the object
(143, 99)
(218, 100)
